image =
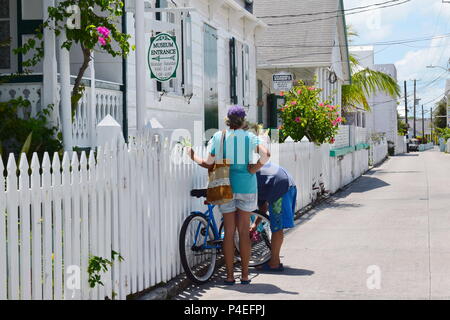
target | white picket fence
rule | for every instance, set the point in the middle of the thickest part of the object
(378, 152)
(130, 198)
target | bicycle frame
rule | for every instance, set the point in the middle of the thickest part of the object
(209, 215)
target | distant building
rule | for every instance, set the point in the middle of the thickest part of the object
(383, 115)
(300, 47)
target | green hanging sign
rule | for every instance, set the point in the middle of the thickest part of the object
(163, 57)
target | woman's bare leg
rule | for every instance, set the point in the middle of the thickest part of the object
(229, 223)
(243, 226)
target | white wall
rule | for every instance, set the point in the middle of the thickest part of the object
(173, 111)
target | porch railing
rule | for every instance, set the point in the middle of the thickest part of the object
(107, 101)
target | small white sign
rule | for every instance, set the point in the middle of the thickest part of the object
(282, 81)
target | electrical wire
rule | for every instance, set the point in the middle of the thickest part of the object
(336, 16)
(325, 12)
(384, 43)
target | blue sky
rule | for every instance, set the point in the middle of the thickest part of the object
(411, 20)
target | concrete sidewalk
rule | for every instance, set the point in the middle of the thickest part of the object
(395, 220)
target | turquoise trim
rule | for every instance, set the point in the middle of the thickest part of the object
(361, 146)
(341, 151)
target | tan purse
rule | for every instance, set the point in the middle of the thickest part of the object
(219, 186)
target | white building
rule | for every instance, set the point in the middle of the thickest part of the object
(217, 68)
(308, 48)
(383, 115)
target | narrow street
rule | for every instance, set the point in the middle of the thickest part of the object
(395, 219)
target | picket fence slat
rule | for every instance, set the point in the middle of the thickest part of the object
(25, 236)
(12, 225)
(3, 258)
(76, 241)
(58, 231)
(69, 292)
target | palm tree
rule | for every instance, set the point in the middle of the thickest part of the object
(365, 82)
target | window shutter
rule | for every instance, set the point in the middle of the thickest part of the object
(246, 75)
(233, 72)
(187, 55)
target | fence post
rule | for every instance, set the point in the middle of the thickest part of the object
(108, 131)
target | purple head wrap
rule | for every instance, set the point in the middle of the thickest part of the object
(236, 111)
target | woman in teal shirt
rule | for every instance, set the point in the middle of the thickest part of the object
(240, 147)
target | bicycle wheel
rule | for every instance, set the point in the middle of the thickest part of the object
(198, 262)
(261, 245)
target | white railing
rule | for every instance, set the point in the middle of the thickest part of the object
(342, 139)
(107, 102)
(361, 135)
(128, 198)
(29, 91)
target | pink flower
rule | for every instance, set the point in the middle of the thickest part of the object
(293, 103)
(102, 41)
(282, 93)
(339, 119)
(332, 140)
(298, 119)
(103, 31)
(299, 92)
(321, 104)
(311, 88)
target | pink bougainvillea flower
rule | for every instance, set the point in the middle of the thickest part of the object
(103, 31)
(299, 92)
(293, 103)
(339, 119)
(298, 119)
(332, 140)
(311, 88)
(102, 41)
(282, 93)
(321, 104)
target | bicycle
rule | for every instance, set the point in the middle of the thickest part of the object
(201, 242)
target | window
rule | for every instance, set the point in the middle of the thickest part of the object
(5, 35)
(179, 25)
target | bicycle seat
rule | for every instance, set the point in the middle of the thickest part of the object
(198, 193)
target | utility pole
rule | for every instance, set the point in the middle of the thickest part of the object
(414, 108)
(423, 125)
(431, 124)
(406, 119)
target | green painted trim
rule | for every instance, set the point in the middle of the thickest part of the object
(341, 151)
(361, 146)
(24, 79)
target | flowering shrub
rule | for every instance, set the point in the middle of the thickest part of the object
(305, 115)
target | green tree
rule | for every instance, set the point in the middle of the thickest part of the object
(402, 128)
(99, 29)
(440, 114)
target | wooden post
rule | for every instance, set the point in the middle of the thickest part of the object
(66, 93)
(49, 65)
(140, 64)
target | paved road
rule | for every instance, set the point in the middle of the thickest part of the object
(396, 218)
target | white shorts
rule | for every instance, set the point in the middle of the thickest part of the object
(243, 201)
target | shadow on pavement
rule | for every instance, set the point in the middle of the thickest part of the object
(288, 271)
(364, 184)
(195, 292)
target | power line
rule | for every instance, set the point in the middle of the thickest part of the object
(384, 43)
(326, 12)
(336, 16)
